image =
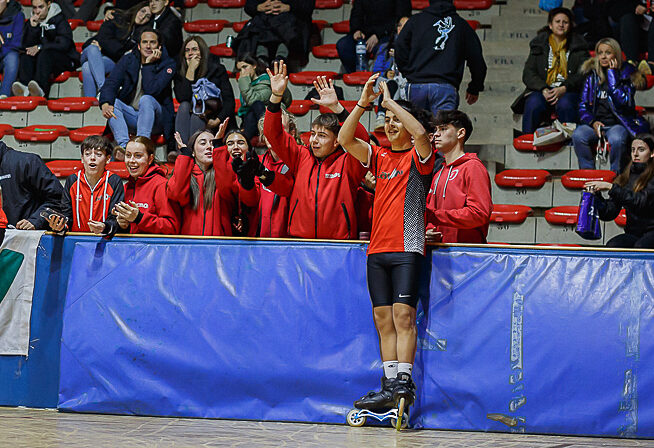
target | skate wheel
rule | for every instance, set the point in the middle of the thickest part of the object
(353, 418)
(405, 421)
(400, 414)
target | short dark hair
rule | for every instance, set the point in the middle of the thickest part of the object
(259, 64)
(151, 30)
(556, 11)
(97, 142)
(424, 117)
(456, 118)
(329, 121)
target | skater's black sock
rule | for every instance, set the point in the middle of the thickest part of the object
(390, 369)
(404, 367)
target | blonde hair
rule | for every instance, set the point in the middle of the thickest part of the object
(615, 49)
(292, 125)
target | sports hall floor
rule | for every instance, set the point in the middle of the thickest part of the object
(31, 428)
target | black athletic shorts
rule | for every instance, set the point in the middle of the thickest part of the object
(393, 278)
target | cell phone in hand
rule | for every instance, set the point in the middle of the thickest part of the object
(48, 212)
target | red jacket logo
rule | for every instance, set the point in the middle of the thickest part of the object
(142, 205)
(453, 174)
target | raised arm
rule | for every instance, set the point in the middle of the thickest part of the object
(358, 148)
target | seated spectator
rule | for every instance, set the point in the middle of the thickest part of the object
(11, 32)
(254, 84)
(90, 194)
(634, 18)
(435, 71)
(277, 29)
(28, 188)
(49, 50)
(137, 96)
(323, 199)
(552, 73)
(373, 21)
(459, 203)
(115, 37)
(146, 208)
(87, 10)
(607, 106)
(632, 190)
(197, 63)
(168, 24)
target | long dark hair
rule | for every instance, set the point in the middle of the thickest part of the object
(126, 20)
(209, 187)
(646, 175)
(260, 65)
(204, 58)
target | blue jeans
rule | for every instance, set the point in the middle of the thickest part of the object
(9, 64)
(94, 68)
(146, 121)
(585, 140)
(433, 96)
(537, 109)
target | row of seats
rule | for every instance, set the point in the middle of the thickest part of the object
(564, 215)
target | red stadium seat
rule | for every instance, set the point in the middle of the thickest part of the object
(356, 78)
(26, 2)
(320, 24)
(640, 110)
(382, 139)
(118, 168)
(222, 50)
(650, 81)
(562, 215)
(526, 143)
(226, 3)
(65, 76)
(205, 26)
(6, 129)
(94, 25)
(419, 4)
(522, 178)
(78, 135)
(64, 168)
(191, 3)
(300, 107)
(72, 104)
(74, 23)
(474, 24)
(473, 4)
(514, 214)
(307, 78)
(341, 27)
(577, 178)
(78, 46)
(238, 26)
(621, 220)
(329, 4)
(327, 51)
(348, 105)
(40, 133)
(22, 103)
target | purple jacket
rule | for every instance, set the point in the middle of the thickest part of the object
(621, 99)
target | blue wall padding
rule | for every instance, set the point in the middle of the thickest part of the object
(510, 340)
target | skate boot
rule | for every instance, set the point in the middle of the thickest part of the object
(382, 399)
(404, 388)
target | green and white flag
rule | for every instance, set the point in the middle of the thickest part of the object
(17, 273)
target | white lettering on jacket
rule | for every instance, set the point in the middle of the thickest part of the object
(332, 175)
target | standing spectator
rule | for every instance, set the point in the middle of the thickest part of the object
(277, 29)
(632, 190)
(11, 33)
(373, 21)
(434, 71)
(115, 37)
(146, 208)
(459, 203)
(49, 50)
(197, 63)
(607, 106)
(90, 194)
(28, 188)
(634, 18)
(169, 26)
(138, 94)
(254, 84)
(552, 73)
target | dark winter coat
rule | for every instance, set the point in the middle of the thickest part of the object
(55, 34)
(114, 40)
(378, 17)
(170, 28)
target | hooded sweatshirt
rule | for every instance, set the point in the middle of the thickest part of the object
(157, 214)
(459, 202)
(53, 33)
(11, 27)
(452, 44)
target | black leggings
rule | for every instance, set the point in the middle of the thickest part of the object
(628, 241)
(393, 278)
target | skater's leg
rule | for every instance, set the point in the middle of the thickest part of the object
(405, 297)
(404, 318)
(380, 287)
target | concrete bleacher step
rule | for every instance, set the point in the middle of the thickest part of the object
(533, 197)
(523, 233)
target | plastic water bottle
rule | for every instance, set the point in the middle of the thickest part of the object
(362, 59)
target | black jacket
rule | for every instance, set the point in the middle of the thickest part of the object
(170, 27)
(639, 206)
(54, 35)
(435, 45)
(378, 16)
(28, 187)
(156, 80)
(217, 74)
(114, 40)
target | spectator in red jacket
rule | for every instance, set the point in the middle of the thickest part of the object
(459, 203)
(323, 200)
(91, 193)
(146, 208)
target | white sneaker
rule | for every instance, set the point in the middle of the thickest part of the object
(19, 89)
(35, 89)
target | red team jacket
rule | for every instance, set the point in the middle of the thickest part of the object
(323, 199)
(274, 202)
(459, 203)
(158, 214)
(80, 203)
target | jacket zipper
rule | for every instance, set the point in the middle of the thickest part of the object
(292, 211)
(347, 220)
(316, 199)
